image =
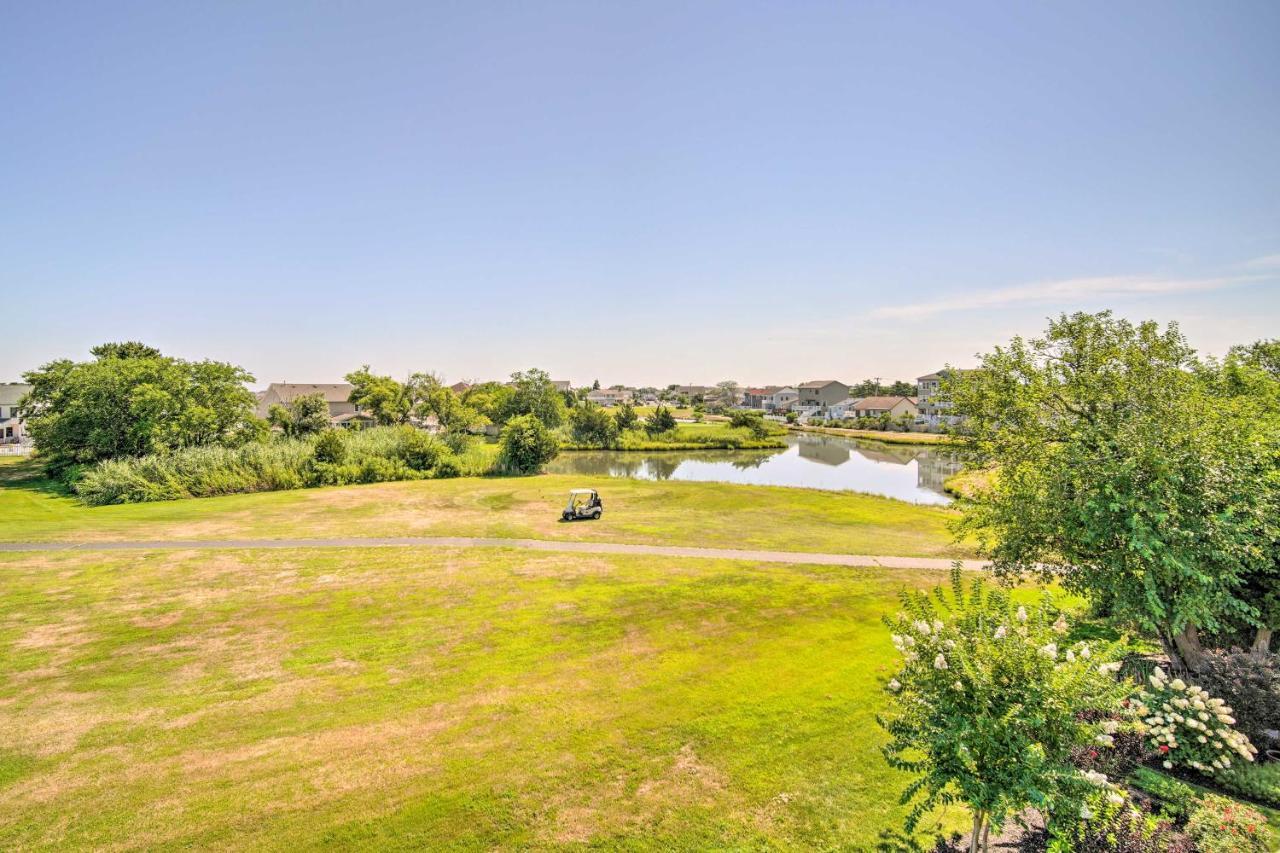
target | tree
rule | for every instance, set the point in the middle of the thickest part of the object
(533, 393)
(660, 421)
(526, 445)
(430, 397)
(592, 425)
(130, 401)
(1118, 472)
(383, 398)
(989, 703)
(304, 415)
(626, 417)
(746, 419)
(724, 395)
(490, 399)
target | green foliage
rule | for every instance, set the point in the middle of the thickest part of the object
(1108, 823)
(383, 398)
(1177, 799)
(1220, 825)
(988, 709)
(1250, 684)
(660, 421)
(625, 417)
(132, 401)
(751, 421)
(492, 400)
(334, 457)
(430, 397)
(331, 447)
(526, 445)
(1121, 472)
(1257, 781)
(304, 415)
(1188, 727)
(534, 394)
(420, 450)
(592, 426)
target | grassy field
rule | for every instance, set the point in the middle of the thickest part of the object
(881, 435)
(668, 513)
(703, 436)
(453, 700)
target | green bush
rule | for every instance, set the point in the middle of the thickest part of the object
(526, 445)
(331, 447)
(1220, 825)
(1259, 782)
(592, 426)
(660, 421)
(331, 459)
(1110, 824)
(419, 450)
(1177, 799)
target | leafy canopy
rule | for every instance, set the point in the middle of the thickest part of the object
(305, 414)
(526, 445)
(130, 401)
(1119, 470)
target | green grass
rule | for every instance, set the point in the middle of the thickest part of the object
(882, 435)
(704, 436)
(667, 512)
(450, 700)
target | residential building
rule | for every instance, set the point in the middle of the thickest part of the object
(782, 400)
(928, 391)
(820, 393)
(336, 394)
(693, 391)
(12, 429)
(609, 396)
(460, 388)
(562, 384)
(874, 407)
(843, 409)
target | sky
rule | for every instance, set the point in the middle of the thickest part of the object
(640, 193)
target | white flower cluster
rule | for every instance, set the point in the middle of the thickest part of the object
(1181, 716)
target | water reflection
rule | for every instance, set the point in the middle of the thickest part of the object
(908, 472)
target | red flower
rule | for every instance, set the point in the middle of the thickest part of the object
(1093, 753)
(1164, 748)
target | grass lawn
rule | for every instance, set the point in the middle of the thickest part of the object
(445, 699)
(881, 435)
(667, 513)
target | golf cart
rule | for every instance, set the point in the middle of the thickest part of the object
(583, 503)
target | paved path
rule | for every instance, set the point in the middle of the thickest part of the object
(490, 542)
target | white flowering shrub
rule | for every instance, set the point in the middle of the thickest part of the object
(1189, 727)
(988, 702)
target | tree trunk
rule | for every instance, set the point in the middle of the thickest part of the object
(1171, 652)
(1261, 642)
(1188, 643)
(978, 819)
(986, 832)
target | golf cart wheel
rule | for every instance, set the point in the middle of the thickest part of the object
(596, 514)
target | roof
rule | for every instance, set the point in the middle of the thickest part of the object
(352, 416)
(459, 387)
(582, 491)
(820, 383)
(928, 377)
(12, 392)
(881, 402)
(334, 392)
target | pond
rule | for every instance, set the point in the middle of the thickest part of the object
(905, 471)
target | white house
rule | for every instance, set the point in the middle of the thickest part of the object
(781, 400)
(609, 396)
(12, 429)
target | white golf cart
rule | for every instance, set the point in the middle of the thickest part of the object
(583, 503)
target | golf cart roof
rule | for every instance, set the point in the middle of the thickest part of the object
(582, 491)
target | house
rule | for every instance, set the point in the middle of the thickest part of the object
(782, 400)
(336, 394)
(874, 407)
(819, 394)
(609, 396)
(460, 388)
(562, 384)
(758, 398)
(693, 392)
(928, 391)
(12, 429)
(843, 409)
(353, 420)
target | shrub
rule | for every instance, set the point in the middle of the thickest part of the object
(1251, 686)
(330, 447)
(959, 719)
(1108, 823)
(660, 421)
(753, 421)
(1177, 799)
(526, 445)
(1187, 726)
(1259, 782)
(1220, 825)
(591, 425)
(448, 467)
(419, 449)
(626, 417)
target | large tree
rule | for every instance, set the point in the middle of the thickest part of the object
(385, 399)
(1118, 470)
(431, 397)
(305, 414)
(131, 400)
(535, 394)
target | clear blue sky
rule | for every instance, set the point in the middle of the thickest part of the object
(644, 192)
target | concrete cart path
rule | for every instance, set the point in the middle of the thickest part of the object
(494, 542)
